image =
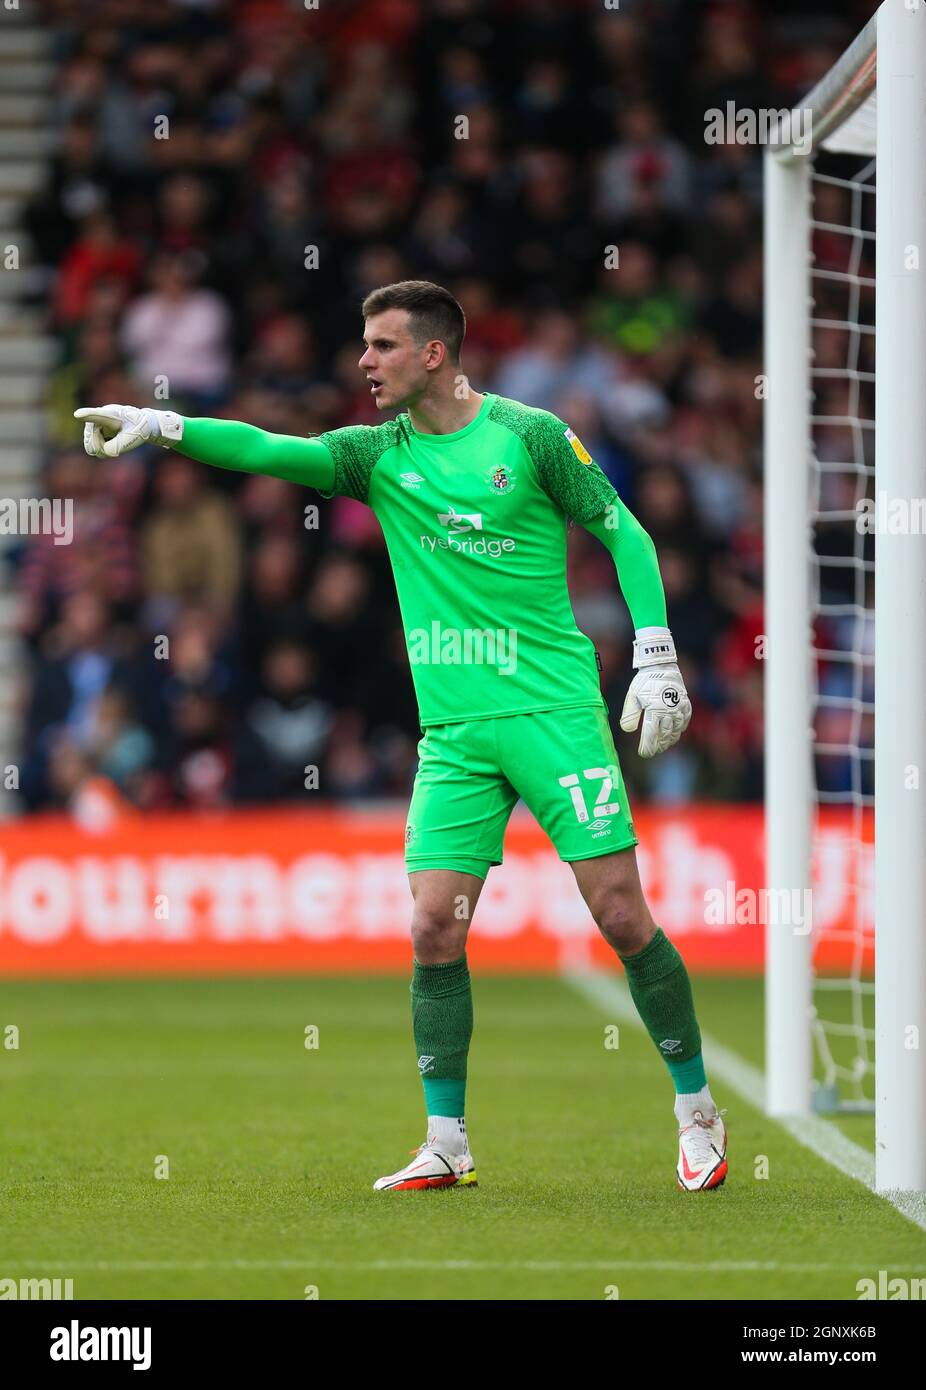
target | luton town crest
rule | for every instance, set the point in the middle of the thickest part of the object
(501, 479)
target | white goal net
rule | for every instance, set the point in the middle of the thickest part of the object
(842, 471)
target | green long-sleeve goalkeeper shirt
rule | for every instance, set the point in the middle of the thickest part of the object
(475, 524)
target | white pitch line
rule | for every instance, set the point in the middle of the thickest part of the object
(612, 996)
(537, 1266)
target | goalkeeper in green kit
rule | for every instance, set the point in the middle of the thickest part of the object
(474, 493)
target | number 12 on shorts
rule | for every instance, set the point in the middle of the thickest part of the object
(607, 776)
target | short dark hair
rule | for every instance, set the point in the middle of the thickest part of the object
(433, 312)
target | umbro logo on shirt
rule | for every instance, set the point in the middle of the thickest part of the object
(412, 480)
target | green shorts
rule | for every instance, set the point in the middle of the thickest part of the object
(562, 762)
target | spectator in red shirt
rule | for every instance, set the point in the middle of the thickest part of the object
(99, 253)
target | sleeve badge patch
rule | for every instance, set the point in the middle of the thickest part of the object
(578, 448)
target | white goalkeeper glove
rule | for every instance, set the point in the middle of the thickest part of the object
(657, 692)
(111, 430)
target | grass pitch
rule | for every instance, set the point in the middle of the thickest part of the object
(272, 1149)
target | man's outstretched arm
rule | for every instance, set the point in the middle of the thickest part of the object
(111, 430)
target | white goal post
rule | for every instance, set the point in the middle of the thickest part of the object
(871, 103)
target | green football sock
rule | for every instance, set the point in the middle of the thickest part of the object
(661, 990)
(442, 1020)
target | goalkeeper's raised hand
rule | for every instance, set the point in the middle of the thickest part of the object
(657, 692)
(111, 430)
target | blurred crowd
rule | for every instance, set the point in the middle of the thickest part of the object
(230, 180)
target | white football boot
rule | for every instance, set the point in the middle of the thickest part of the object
(431, 1167)
(702, 1153)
